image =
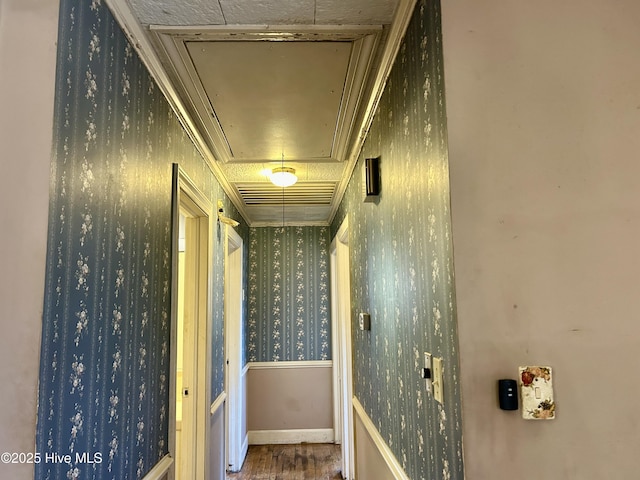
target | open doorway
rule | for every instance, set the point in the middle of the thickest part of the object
(190, 355)
(342, 367)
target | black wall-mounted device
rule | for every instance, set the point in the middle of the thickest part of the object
(372, 178)
(508, 394)
(364, 321)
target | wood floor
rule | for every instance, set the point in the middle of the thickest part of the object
(317, 461)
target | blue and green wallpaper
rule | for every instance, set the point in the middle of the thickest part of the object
(288, 301)
(402, 262)
(104, 378)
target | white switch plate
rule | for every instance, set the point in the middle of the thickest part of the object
(438, 390)
(427, 364)
(536, 391)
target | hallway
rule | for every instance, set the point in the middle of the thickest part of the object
(124, 163)
(288, 462)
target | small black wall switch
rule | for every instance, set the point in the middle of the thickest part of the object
(508, 394)
(372, 178)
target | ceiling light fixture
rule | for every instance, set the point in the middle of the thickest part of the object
(283, 176)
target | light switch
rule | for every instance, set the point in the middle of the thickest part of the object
(427, 371)
(432, 373)
(438, 390)
(536, 391)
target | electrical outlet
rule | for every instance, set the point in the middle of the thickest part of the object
(438, 390)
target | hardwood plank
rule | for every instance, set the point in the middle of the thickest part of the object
(291, 462)
(308, 470)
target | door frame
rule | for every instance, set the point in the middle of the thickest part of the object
(342, 356)
(188, 198)
(235, 411)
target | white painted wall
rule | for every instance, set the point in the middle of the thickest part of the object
(28, 32)
(543, 102)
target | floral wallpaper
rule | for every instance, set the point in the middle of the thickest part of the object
(402, 262)
(288, 304)
(104, 375)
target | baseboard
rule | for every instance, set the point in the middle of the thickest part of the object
(271, 437)
(291, 364)
(383, 450)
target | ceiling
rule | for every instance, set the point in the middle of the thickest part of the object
(263, 84)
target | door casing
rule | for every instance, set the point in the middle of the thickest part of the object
(197, 209)
(341, 338)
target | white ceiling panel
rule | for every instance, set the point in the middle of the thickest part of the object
(184, 12)
(363, 12)
(264, 12)
(282, 98)
(268, 12)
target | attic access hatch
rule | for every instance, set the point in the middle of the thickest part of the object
(258, 94)
(279, 96)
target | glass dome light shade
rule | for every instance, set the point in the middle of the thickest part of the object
(283, 176)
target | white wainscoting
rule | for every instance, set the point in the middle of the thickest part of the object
(290, 402)
(244, 433)
(374, 458)
(216, 454)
